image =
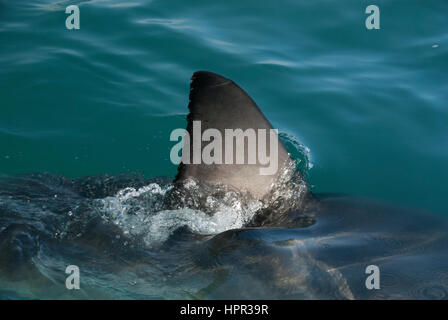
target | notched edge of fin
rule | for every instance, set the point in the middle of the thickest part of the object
(200, 79)
(207, 79)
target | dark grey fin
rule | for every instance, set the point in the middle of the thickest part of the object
(221, 104)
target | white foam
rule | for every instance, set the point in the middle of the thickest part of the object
(136, 213)
(142, 213)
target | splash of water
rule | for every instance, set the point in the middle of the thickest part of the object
(155, 211)
(143, 212)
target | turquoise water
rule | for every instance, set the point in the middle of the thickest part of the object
(370, 105)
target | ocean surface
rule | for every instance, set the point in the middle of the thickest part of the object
(86, 114)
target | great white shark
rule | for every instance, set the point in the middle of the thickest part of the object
(298, 245)
(407, 245)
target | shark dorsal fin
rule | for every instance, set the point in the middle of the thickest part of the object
(219, 103)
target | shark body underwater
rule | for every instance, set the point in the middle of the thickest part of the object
(217, 231)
